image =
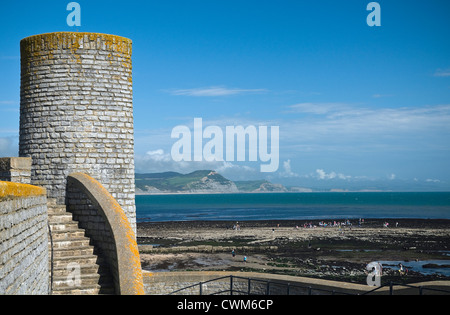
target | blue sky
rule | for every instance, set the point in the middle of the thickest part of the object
(357, 106)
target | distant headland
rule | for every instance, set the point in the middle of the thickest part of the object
(203, 181)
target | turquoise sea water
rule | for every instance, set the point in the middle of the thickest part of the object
(292, 206)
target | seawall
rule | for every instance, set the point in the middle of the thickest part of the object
(23, 240)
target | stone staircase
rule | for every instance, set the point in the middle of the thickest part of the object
(74, 265)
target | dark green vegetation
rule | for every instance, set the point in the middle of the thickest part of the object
(204, 180)
(175, 182)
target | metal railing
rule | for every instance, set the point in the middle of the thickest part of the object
(228, 286)
(255, 287)
(420, 289)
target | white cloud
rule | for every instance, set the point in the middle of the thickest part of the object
(157, 155)
(322, 175)
(334, 123)
(157, 161)
(442, 73)
(345, 131)
(392, 177)
(287, 170)
(214, 91)
(317, 108)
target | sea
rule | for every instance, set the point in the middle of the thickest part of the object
(292, 206)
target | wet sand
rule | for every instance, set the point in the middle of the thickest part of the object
(287, 247)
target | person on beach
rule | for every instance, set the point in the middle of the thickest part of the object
(233, 253)
(402, 271)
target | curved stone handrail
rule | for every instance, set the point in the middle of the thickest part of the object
(129, 273)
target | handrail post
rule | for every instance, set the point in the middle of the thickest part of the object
(231, 285)
(201, 288)
(248, 286)
(391, 288)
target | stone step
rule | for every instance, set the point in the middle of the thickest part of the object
(89, 277)
(71, 248)
(63, 226)
(77, 291)
(74, 242)
(61, 218)
(73, 251)
(60, 272)
(62, 235)
(68, 281)
(64, 261)
(89, 290)
(55, 210)
(51, 202)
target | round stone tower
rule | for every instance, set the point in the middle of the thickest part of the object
(76, 112)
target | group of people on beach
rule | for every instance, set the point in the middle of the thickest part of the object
(310, 225)
(386, 224)
(377, 269)
(233, 254)
(339, 224)
(335, 223)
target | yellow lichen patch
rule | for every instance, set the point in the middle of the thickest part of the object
(33, 45)
(14, 190)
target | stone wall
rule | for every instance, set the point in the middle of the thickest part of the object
(17, 170)
(76, 112)
(23, 240)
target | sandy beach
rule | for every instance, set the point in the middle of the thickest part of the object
(339, 251)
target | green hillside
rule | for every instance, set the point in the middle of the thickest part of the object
(199, 181)
(176, 182)
(251, 185)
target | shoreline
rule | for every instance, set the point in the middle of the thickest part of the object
(368, 222)
(286, 192)
(278, 246)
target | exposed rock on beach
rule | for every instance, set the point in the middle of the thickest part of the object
(339, 251)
